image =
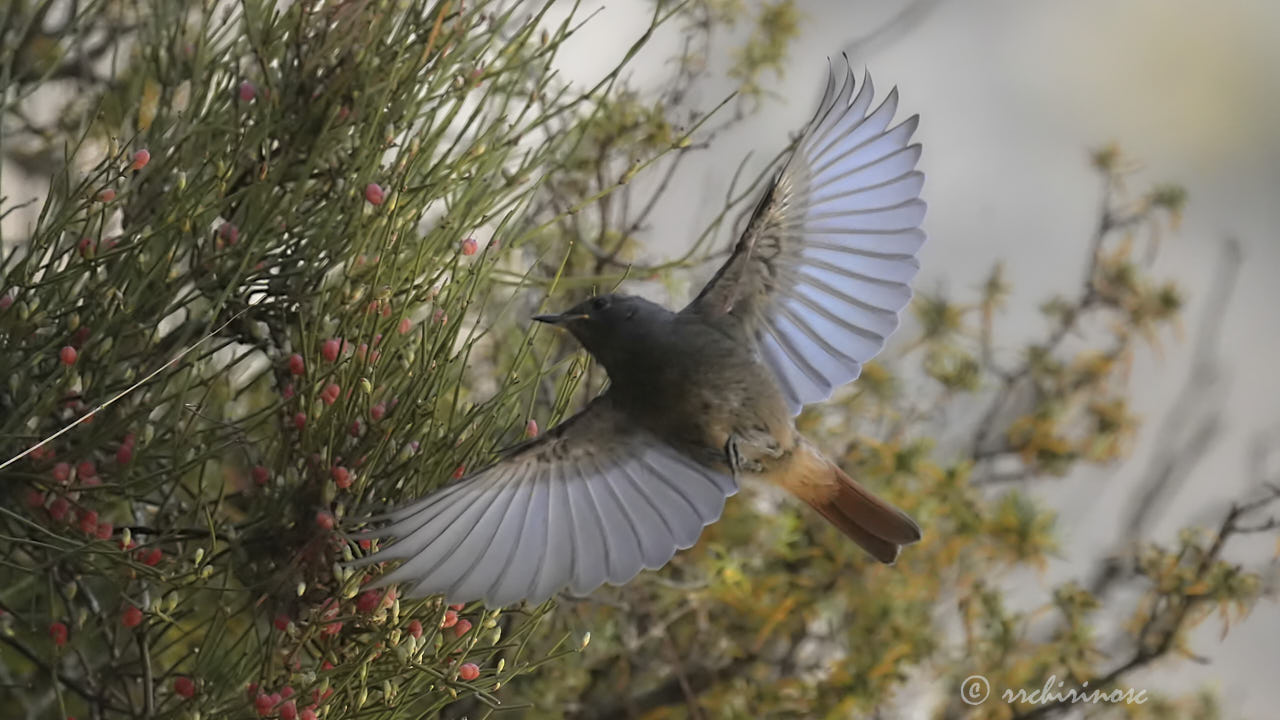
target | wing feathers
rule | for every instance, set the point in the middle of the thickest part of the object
(482, 574)
(825, 265)
(856, 130)
(517, 579)
(557, 566)
(605, 501)
(657, 541)
(866, 197)
(621, 533)
(485, 552)
(430, 544)
(833, 109)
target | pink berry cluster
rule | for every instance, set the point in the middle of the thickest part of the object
(283, 704)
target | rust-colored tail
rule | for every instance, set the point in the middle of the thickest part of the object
(878, 527)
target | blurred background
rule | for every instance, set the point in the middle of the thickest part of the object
(1013, 97)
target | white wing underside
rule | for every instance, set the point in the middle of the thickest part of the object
(832, 255)
(597, 503)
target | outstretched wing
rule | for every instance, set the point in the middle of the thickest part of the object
(595, 499)
(824, 266)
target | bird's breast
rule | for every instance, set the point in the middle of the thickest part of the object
(704, 393)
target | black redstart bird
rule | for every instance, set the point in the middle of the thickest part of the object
(701, 397)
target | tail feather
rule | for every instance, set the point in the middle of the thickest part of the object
(876, 526)
(879, 548)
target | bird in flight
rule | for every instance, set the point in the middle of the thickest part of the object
(701, 398)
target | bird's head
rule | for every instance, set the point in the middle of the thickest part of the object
(616, 329)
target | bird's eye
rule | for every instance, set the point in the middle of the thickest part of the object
(599, 303)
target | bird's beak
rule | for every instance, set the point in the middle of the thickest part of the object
(559, 319)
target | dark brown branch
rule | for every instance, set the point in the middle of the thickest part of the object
(1194, 422)
(1170, 622)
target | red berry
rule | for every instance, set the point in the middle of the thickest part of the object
(289, 711)
(35, 499)
(341, 477)
(450, 619)
(374, 194)
(77, 340)
(184, 686)
(281, 622)
(469, 246)
(124, 455)
(307, 714)
(462, 628)
(58, 631)
(331, 393)
(297, 365)
(88, 521)
(140, 159)
(377, 412)
(405, 325)
(469, 671)
(286, 692)
(62, 473)
(459, 471)
(330, 349)
(368, 601)
(107, 195)
(355, 429)
(300, 420)
(260, 475)
(458, 606)
(263, 705)
(68, 355)
(229, 232)
(247, 91)
(531, 428)
(151, 557)
(131, 617)
(104, 530)
(415, 628)
(324, 519)
(86, 470)
(58, 510)
(333, 628)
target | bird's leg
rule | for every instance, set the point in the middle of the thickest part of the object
(738, 461)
